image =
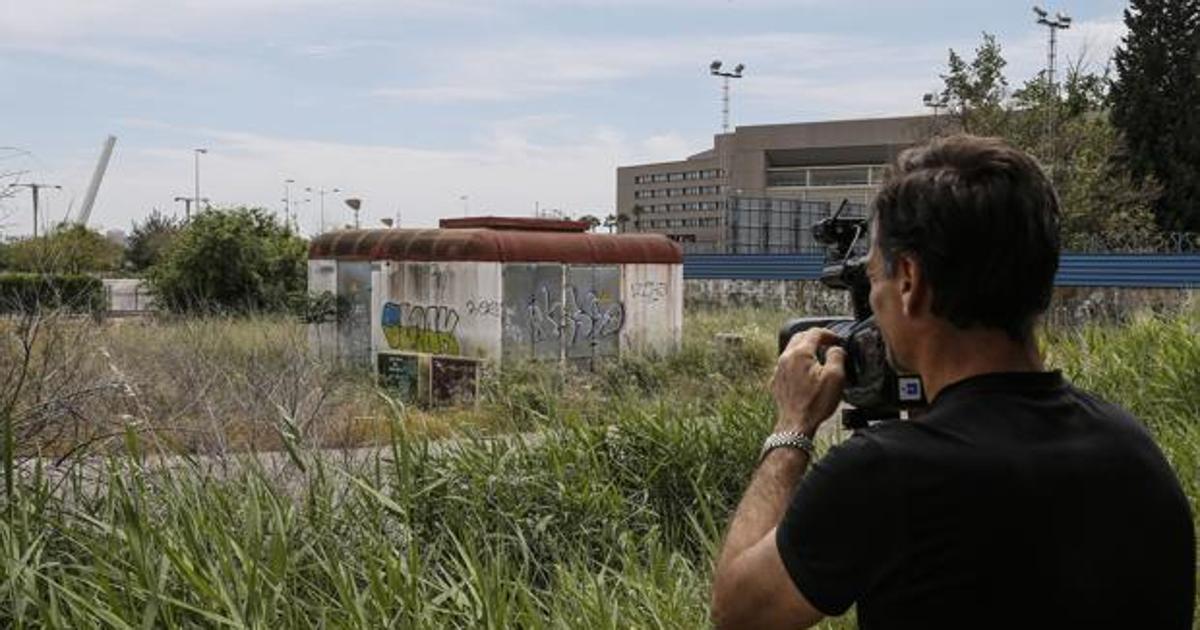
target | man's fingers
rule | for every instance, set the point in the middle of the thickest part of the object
(835, 362)
(810, 340)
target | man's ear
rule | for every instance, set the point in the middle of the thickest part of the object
(914, 288)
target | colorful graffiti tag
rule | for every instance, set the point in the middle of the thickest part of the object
(420, 328)
(575, 319)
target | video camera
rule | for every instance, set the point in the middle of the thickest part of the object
(873, 387)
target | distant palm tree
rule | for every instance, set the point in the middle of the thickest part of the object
(622, 219)
(638, 211)
(592, 221)
(610, 222)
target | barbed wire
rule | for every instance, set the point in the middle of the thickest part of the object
(1133, 243)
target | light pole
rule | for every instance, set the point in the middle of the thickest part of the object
(187, 204)
(1060, 22)
(321, 192)
(355, 204)
(34, 188)
(197, 153)
(714, 69)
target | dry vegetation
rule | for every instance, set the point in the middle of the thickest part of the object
(608, 519)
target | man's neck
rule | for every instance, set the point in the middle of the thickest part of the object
(951, 355)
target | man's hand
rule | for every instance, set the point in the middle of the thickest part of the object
(806, 391)
(751, 585)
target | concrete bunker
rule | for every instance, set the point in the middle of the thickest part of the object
(425, 307)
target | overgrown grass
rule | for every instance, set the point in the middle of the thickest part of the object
(602, 508)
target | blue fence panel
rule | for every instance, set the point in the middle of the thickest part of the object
(1074, 270)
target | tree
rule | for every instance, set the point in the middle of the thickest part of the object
(610, 222)
(237, 260)
(149, 239)
(976, 92)
(68, 248)
(638, 211)
(1100, 199)
(622, 221)
(1156, 104)
(591, 220)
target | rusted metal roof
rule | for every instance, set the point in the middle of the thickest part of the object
(516, 223)
(493, 245)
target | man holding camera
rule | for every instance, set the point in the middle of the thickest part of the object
(1014, 500)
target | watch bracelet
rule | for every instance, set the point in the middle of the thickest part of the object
(789, 439)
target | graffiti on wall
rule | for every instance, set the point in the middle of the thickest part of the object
(483, 308)
(420, 328)
(578, 317)
(649, 291)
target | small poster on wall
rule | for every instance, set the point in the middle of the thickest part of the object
(400, 373)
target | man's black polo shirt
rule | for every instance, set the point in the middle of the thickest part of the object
(1016, 501)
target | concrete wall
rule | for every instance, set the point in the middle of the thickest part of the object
(322, 337)
(1070, 305)
(652, 295)
(444, 308)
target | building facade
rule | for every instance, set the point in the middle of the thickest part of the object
(697, 201)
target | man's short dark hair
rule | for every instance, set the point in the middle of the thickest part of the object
(982, 220)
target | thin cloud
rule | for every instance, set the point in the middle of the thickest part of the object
(549, 160)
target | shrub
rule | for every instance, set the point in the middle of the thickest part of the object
(69, 249)
(28, 292)
(150, 239)
(236, 260)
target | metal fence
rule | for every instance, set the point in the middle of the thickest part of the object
(127, 296)
(768, 225)
(1074, 270)
(764, 225)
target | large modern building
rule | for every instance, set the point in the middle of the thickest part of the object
(759, 187)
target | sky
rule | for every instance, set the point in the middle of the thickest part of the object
(425, 109)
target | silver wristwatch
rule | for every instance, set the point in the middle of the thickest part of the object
(789, 439)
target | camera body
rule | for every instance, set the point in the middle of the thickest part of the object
(873, 387)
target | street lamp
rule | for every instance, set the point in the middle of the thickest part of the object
(1060, 22)
(355, 204)
(187, 204)
(714, 69)
(321, 192)
(197, 153)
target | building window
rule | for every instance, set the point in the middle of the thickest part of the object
(853, 176)
(825, 176)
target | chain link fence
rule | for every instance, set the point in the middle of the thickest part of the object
(767, 225)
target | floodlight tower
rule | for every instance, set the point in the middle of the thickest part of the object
(1060, 22)
(714, 69)
(936, 103)
(187, 209)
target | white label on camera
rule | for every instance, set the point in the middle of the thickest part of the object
(910, 388)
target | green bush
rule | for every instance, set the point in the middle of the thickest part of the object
(29, 292)
(149, 239)
(68, 249)
(238, 260)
